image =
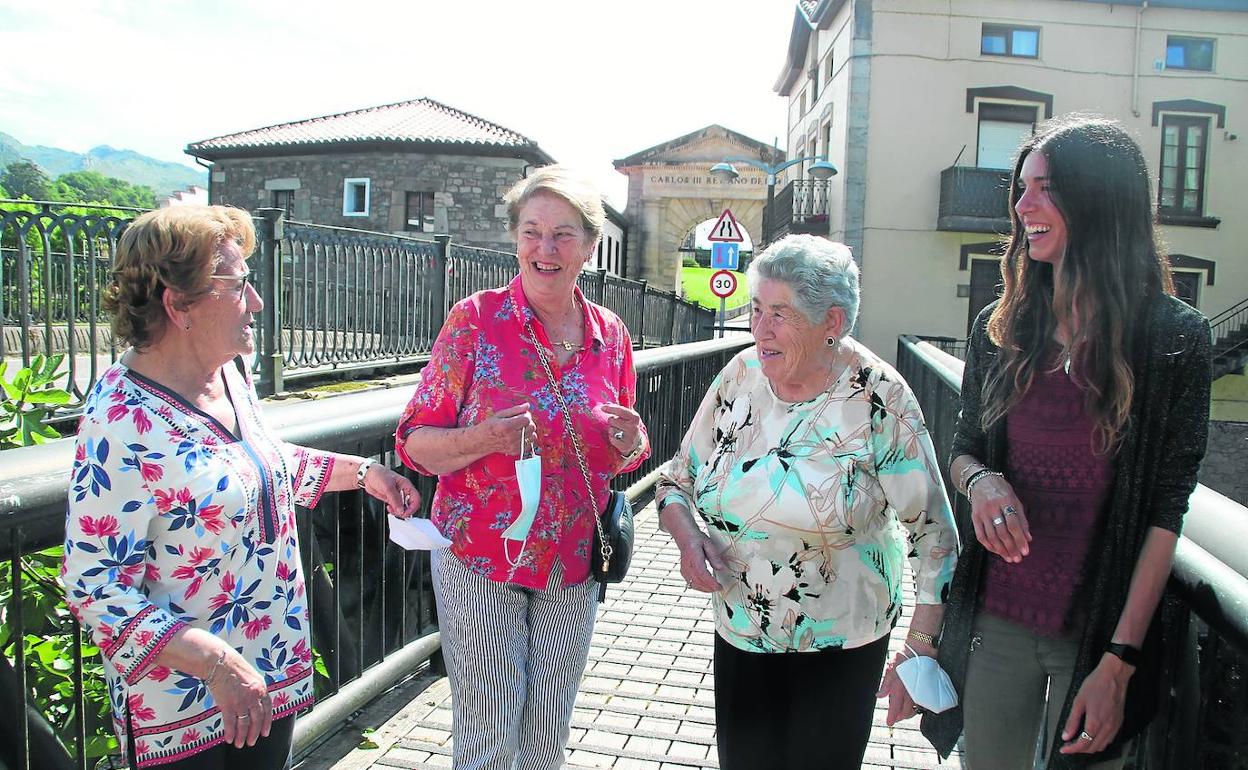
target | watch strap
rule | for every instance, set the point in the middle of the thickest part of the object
(1129, 655)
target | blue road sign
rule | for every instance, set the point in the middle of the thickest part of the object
(724, 256)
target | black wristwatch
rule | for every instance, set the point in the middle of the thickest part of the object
(1129, 655)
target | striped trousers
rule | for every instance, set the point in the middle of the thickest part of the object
(514, 657)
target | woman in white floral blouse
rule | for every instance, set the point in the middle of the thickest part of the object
(810, 468)
(181, 554)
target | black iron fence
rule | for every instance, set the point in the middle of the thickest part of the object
(1230, 338)
(373, 617)
(335, 298)
(1203, 721)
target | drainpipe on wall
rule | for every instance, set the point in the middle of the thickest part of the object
(200, 162)
(1135, 68)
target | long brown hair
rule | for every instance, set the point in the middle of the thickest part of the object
(1112, 269)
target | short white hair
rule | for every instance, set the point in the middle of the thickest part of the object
(821, 273)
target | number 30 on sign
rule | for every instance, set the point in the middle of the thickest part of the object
(723, 283)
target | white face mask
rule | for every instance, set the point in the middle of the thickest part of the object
(928, 684)
(529, 479)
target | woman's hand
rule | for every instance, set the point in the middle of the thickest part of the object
(243, 699)
(1000, 523)
(900, 705)
(505, 429)
(696, 552)
(1096, 714)
(393, 489)
(623, 428)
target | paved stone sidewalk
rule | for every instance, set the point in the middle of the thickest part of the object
(646, 701)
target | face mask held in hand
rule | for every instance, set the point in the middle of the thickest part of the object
(529, 479)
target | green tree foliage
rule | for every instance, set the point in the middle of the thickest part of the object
(94, 187)
(24, 178)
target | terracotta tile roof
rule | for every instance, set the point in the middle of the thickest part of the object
(421, 121)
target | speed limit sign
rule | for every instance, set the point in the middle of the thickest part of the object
(723, 283)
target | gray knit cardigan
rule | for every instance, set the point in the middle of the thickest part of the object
(1154, 473)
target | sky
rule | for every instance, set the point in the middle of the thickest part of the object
(589, 80)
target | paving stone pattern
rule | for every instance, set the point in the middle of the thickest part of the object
(646, 701)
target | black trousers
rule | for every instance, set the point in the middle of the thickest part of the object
(795, 710)
(271, 753)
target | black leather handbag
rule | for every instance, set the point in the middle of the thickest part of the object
(613, 528)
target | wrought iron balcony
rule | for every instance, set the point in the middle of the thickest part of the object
(974, 200)
(803, 206)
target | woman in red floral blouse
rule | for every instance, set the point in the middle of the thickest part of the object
(515, 602)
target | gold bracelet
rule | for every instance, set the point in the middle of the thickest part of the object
(927, 639)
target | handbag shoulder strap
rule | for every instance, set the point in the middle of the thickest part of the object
(557, 391)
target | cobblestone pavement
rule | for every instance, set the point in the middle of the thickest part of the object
(646, 701)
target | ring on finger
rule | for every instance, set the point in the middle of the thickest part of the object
(618, 435)
(1084, 736)
(998, 521)
(1009, 510)
(243, 716)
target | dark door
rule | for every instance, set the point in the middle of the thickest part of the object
(985, 287)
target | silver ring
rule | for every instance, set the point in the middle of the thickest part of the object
(1009, 510)
(998, 521)
(243, 716)
(618, 435)
(1083, 736)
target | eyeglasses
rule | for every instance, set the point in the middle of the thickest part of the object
(240, 282)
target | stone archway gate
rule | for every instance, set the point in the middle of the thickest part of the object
(671, 190)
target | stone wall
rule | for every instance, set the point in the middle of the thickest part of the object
(467, 190)
(1227, 460)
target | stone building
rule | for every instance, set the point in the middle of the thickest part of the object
(417, 167)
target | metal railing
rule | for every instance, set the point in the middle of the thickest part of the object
(802, 206)
(1203, 719)
(335, 298)
(1230, 337)
(974, 200)
(371, 603)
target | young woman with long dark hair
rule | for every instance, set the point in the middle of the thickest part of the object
(1084, 416)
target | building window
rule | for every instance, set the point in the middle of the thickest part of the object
(1002, 128)
(418, 212)
(1189, 53)
(1186, 286)
(801, 102)
(827, 140)
(355, 197)
(1184, 139)
(284, 200)
(1007, 40)
(828, 77)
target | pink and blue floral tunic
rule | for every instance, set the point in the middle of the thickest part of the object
(174, 521)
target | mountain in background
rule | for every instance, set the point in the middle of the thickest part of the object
(162, 176)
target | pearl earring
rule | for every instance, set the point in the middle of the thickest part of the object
(188, 326)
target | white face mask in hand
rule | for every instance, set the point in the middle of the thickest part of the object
(928, 684)
(529, 479)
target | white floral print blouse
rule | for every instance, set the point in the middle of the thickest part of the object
(174, 521)
(815, 505)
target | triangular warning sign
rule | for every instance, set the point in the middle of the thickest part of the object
(726, 229)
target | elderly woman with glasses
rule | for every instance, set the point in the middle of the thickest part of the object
(181, 552)
(805, 481)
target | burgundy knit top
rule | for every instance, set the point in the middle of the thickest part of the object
(1063, 486)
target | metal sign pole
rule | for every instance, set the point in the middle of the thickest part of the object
(723, 315)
